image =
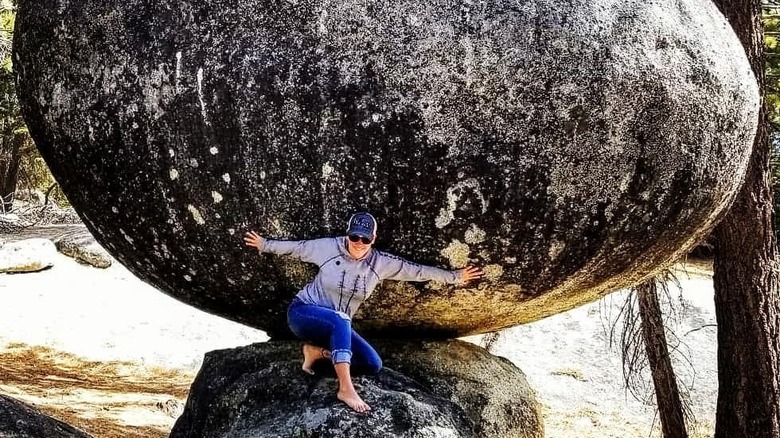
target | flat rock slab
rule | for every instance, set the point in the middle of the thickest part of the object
(29, 255)
(445, 389)
(570, 148)
(82, 247)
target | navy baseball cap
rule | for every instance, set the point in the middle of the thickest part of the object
(362, 224)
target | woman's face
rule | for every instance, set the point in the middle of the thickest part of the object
(359, 246)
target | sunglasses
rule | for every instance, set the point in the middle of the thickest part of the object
(356, 239)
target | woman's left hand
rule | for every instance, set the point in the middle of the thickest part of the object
(470, 273)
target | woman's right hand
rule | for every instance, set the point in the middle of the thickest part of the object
(254, 240)
(470, 273)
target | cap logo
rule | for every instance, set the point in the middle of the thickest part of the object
(362, 222)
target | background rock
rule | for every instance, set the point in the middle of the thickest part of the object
(570, 148)
(81, 246)
(19, 420)
(29, 255)
(260, 390)
(9, 217)
(9, 225)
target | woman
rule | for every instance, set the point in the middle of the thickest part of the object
(349, 271)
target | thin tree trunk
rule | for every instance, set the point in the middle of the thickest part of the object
(666, 392)
(746, 277)
(9, 170)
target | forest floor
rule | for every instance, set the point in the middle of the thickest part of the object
(109, 354)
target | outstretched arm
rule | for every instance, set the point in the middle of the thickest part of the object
(305, 250)
(396, 268)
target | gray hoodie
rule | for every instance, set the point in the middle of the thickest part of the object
(343, 283)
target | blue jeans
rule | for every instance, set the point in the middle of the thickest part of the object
(330, 328)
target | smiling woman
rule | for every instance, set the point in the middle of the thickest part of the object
(350, 269)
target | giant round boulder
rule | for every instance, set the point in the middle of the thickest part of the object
(569, 148)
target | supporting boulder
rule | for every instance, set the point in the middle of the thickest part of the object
(427, 389)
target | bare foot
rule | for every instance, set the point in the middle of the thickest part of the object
(353, 400)
(312, 354)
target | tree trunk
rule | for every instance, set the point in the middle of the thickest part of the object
(9, 170)
(746, 276)
(666, 392)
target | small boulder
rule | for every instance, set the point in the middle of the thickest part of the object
(10, 218)
(171, 407)
(82, 247)
(9, 223)
(29, 255)
(19, 420)
(427, 389)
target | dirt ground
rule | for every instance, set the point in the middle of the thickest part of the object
(104, 399)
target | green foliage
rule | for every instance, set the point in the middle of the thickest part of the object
(35, 176)
(771, 19)
(7, 22)
(10, 117)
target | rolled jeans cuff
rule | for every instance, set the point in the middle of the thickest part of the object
(341, 356)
